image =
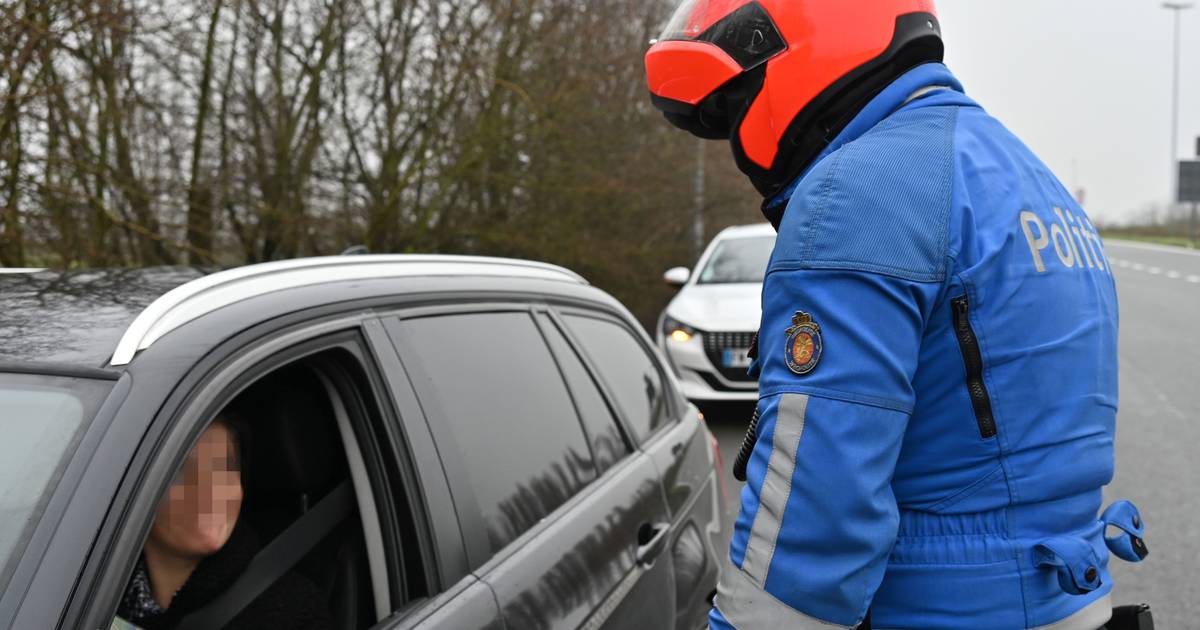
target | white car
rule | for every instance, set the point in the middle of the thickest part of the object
(707, 328)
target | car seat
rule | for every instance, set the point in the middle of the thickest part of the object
(293, 458)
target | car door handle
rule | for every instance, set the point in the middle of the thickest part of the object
(652, 539)
(677, 449)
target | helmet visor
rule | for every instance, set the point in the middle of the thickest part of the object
(693, 17)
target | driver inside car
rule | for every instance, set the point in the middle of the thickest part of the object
(197, 548)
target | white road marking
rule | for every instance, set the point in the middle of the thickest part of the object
(1172, 274)
(1155, 271)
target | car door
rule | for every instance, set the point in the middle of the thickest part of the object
(360, 563)
(641, 599)
(556, 511)
(674, 437)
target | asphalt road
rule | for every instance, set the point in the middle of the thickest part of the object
(1158, 427)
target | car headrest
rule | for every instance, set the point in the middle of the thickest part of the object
(293, 446)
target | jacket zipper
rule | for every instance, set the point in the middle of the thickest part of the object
(973, 361)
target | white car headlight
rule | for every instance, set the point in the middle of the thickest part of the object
(677, 331)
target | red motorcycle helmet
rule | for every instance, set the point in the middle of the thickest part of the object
(781, 78)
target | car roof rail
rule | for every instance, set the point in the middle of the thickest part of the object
(209, 293)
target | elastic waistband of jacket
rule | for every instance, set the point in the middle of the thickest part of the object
(1059, 515)
(995, 535)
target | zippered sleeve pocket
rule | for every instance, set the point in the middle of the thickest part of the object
(968, 343)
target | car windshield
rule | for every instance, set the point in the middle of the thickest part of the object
(737, 260)
(41, 418)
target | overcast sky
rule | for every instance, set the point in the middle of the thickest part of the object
(1086, 84)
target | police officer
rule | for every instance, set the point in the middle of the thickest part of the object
(938, 350)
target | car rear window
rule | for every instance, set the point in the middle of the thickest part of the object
(41, 418)
(629, 371)
(512, 419)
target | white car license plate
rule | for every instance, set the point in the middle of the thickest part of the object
(737, 358)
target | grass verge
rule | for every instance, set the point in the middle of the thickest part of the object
(1173, 241)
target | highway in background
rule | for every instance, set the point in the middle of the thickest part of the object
(1158, 428)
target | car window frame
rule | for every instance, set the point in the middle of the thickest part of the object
(441, 548)
(389, 464)
(198, 397)
(674, 405)
(544, 316)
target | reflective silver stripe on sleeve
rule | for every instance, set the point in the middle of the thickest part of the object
(746, 606)
(773, 496)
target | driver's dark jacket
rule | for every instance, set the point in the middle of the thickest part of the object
(292, 602)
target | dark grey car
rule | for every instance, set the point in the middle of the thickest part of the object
(436, 442)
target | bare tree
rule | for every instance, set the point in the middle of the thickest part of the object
(228, 131)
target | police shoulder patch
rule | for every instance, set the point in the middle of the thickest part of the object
(804, 345)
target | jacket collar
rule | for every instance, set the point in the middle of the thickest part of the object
(901, 93)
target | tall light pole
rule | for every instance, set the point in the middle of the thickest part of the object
(698, 201)
(1178, 8)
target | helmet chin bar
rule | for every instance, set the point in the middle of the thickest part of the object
(718, 115)
(696, 125)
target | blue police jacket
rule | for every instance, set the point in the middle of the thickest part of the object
(938, 388)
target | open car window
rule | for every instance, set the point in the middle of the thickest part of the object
(314, 536)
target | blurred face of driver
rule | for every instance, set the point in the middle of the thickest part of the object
(198, 513)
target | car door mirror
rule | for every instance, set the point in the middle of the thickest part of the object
(677, 277)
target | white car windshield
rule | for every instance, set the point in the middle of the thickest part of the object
(738, 260)
(40, 422)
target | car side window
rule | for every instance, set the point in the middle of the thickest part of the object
(608, 446)
(630, 372)
(511, 417)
